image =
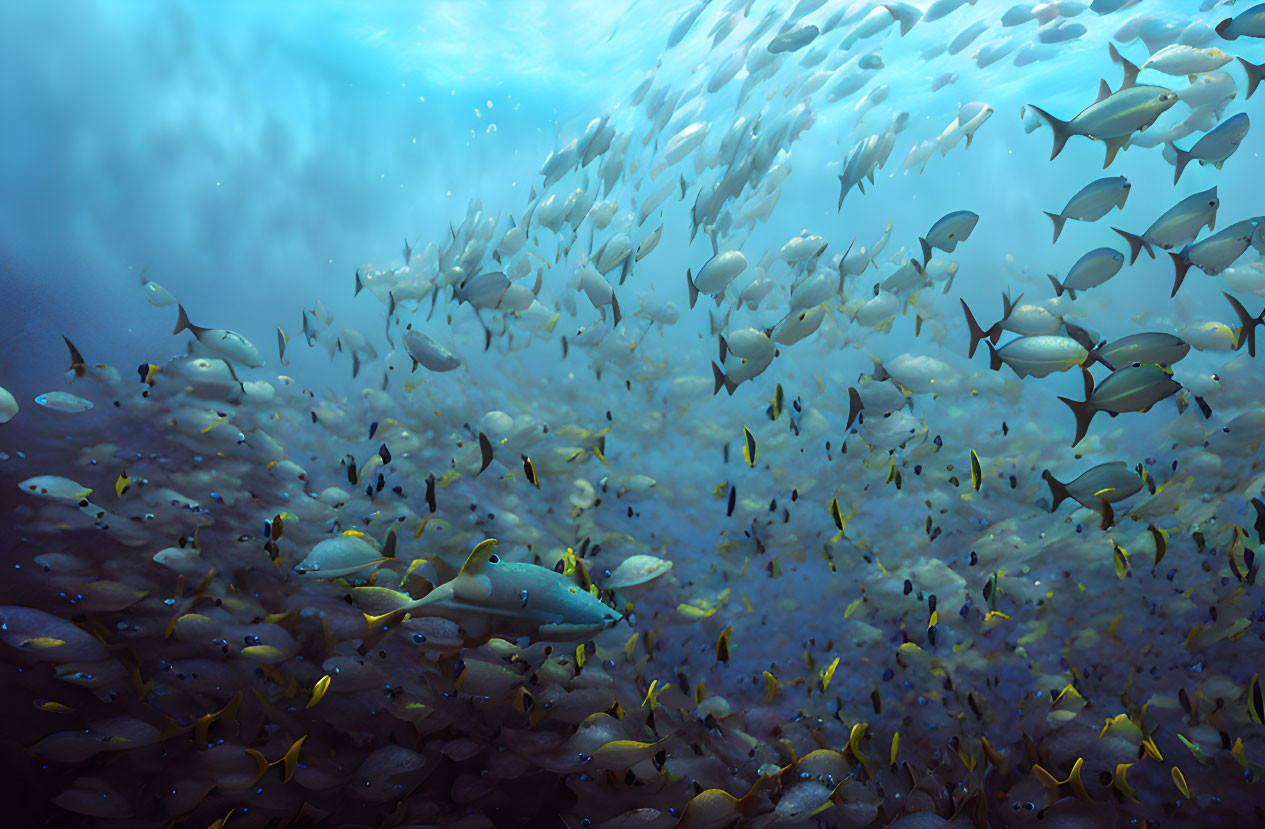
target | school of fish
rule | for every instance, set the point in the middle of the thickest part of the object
(832, 565)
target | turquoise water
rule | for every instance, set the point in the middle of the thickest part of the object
(444, 326)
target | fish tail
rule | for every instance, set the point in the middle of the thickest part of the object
(1255, 71)
(1136, 243)
(1062, 130)
(719, 379)
(926, 251)
(976, 332)
(1180, 266)
(1222, 27)
(1059, 290)
(182, 321)
(1095, 357)
(614, 309)
(1058, 490)
(1083, 413)
(1059, 220)
(360, 286)
(689, 280)
(1183, 158)
(843, 191)
(1247, 325)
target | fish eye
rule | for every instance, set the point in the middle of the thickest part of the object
(494, 559)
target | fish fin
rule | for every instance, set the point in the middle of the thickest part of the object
(479, 557)
(994, 359)
(1114, 145)
(1108, 514)
(1255, 71)
(843, 191)
(977, 333)
(1095, 357)
(614, 310)
(1058, 286)
(1083, 414)
(1130, 70)
(1058, 490)
(1180, 266)
(1059, 220)
(1183, 158)
(1008, 304)
(182, 322)
(485, 451)
(355, 365)
(1062, 130)
(689, 280)
(721, 380)
(77, 364)
(926, 251)
(1247, 326)
(855, 406)
(1222, 27)
(1104, 91)
(718, 377)
(1136, 244)
(360, 286)
(1259, 526)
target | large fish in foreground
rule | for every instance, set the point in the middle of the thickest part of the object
(491, 597)
(1112, 119)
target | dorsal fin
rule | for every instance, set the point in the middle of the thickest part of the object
(1104, 91)
(479, 556)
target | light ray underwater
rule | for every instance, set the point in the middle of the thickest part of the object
(494, 415)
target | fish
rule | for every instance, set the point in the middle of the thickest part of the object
(1250, 23)
(226, 343)
(1134, 388)
(1215, 253)
(1156, 347)
(63, 402)
(1041, 355)
(947, 232)
(1112, 119)
(8, 405)
(1091, 270)
(491, 597)
(1092, 202)
(426, 352)
(1107, 482)
(793, 40)
(1180, 59)
(1215, 146)
(55, 487)
(715, 275)
(1175, 226)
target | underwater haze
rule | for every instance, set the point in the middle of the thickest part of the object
(633, 414)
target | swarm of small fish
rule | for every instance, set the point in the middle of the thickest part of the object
(885, 597)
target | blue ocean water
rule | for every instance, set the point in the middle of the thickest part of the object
(330, 176)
